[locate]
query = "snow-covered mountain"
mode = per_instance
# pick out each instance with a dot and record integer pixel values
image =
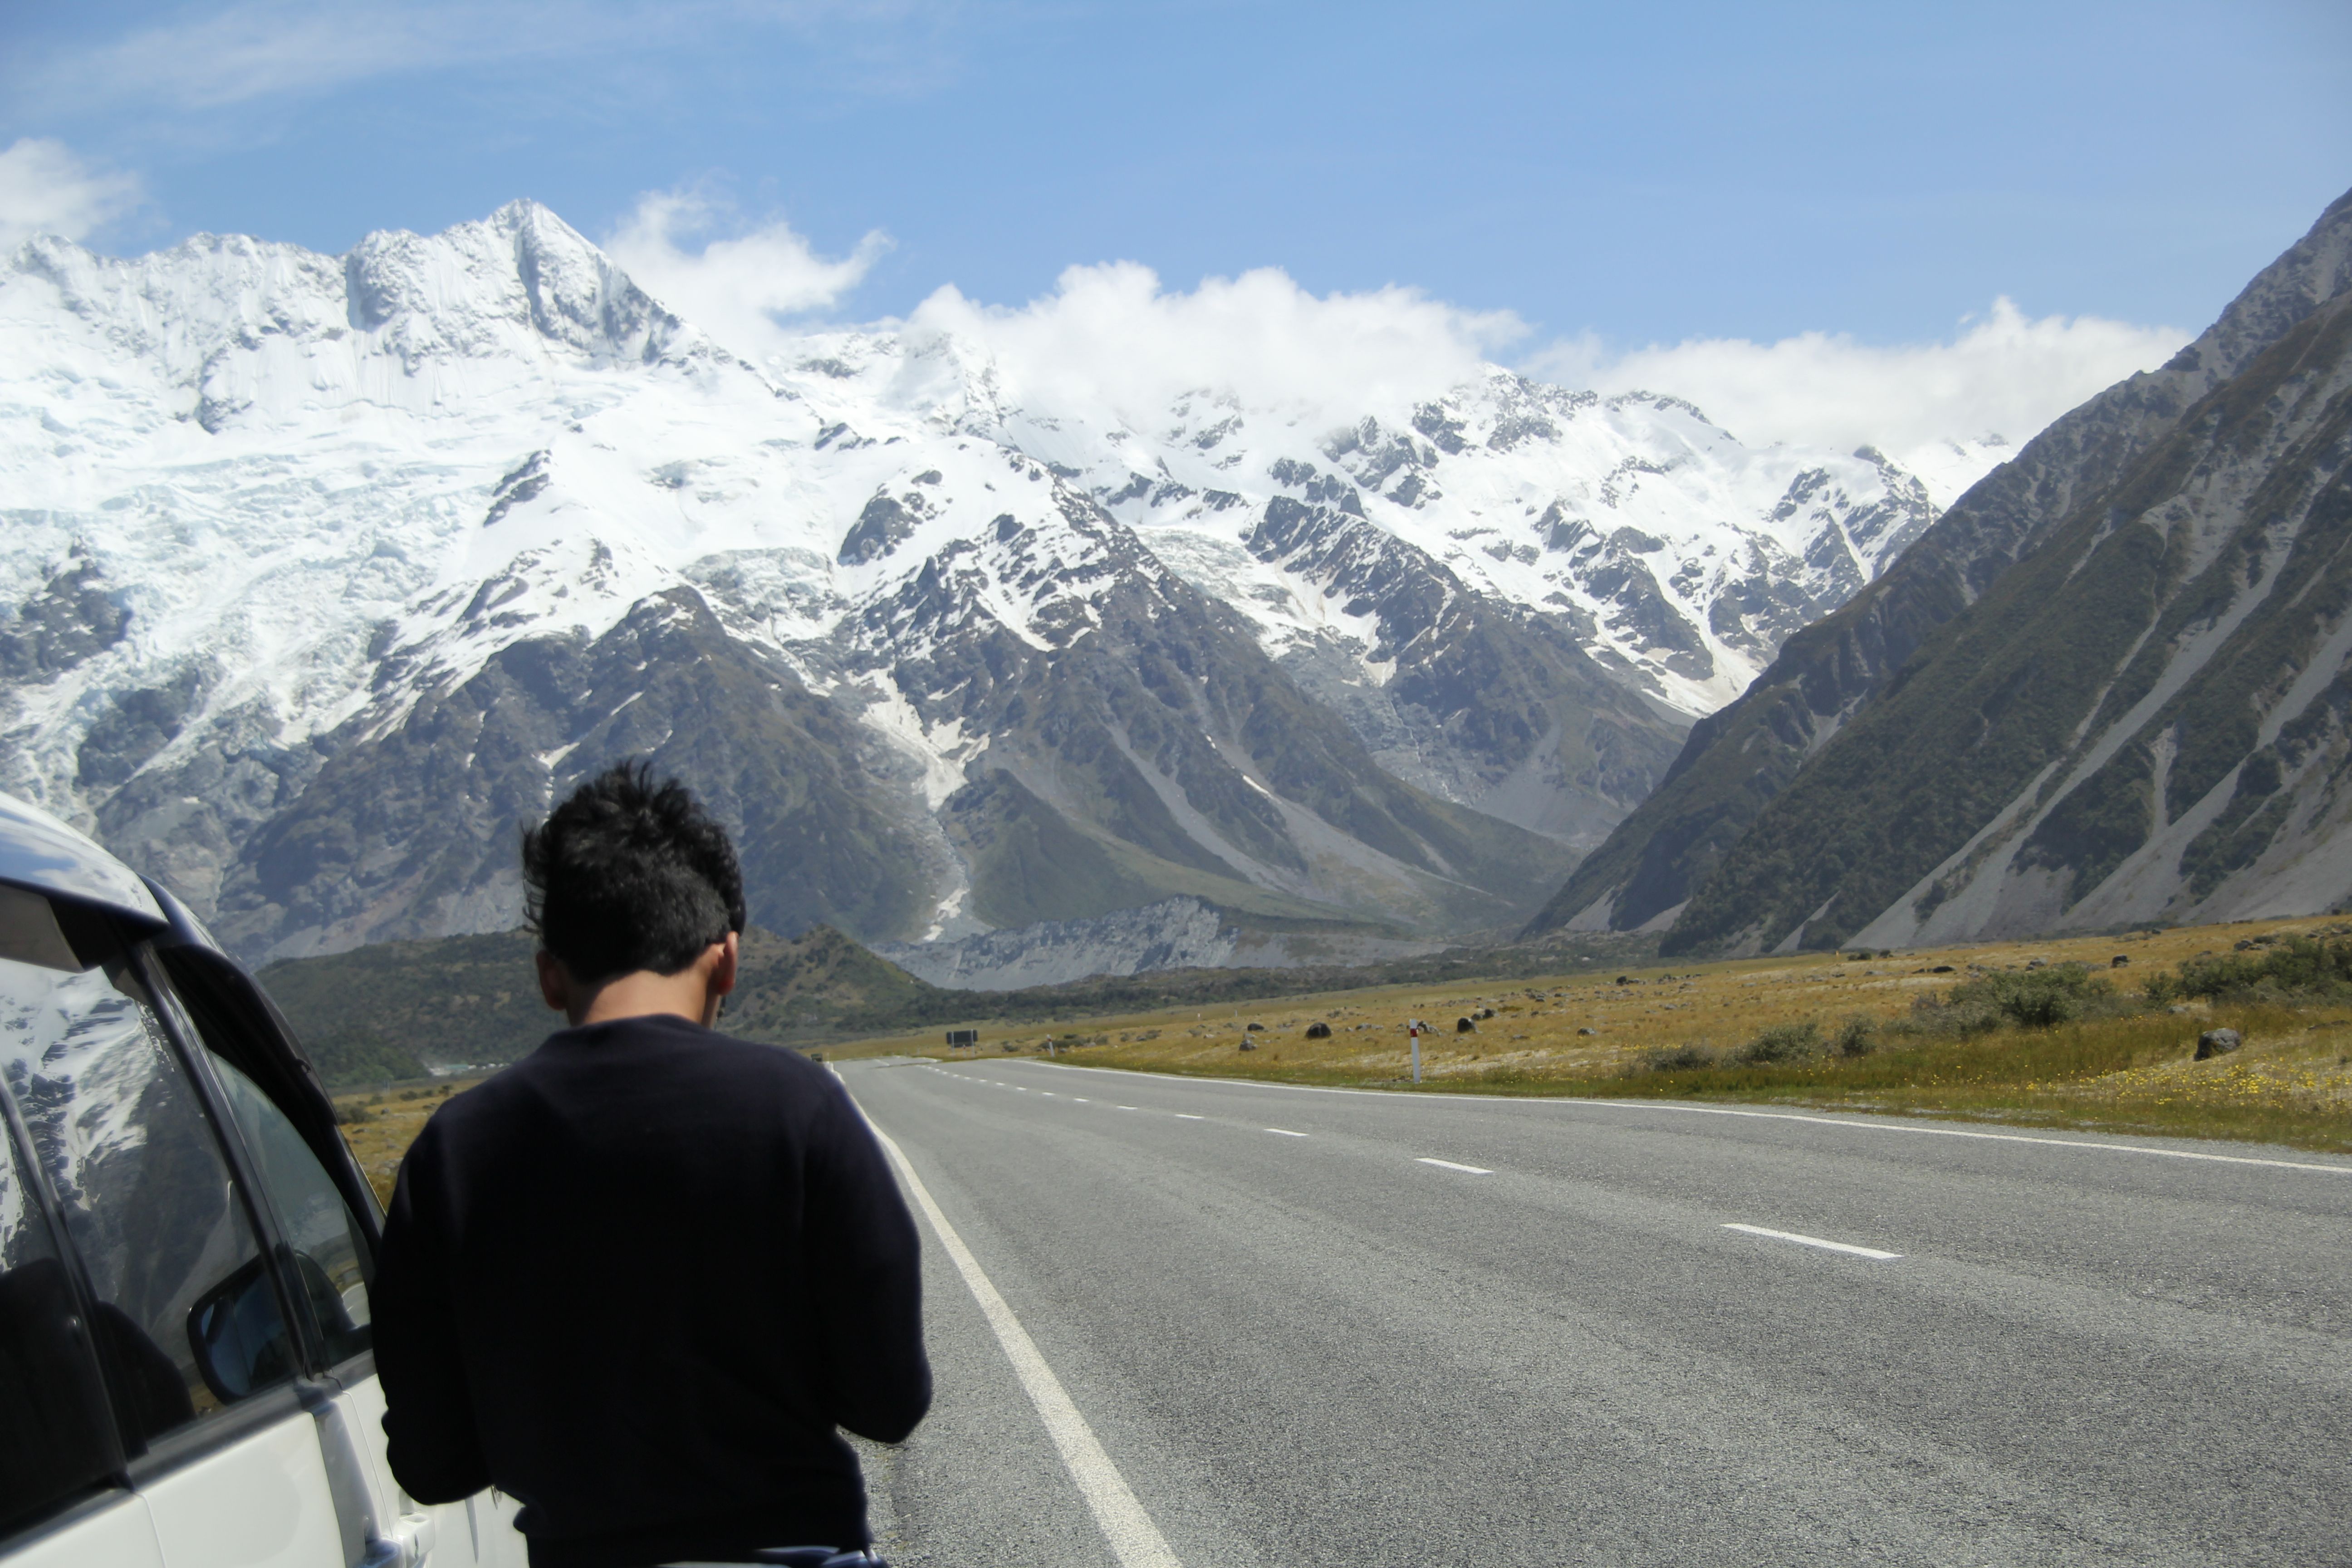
(323, 572)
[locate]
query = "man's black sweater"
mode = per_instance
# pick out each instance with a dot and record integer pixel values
(636, 1280)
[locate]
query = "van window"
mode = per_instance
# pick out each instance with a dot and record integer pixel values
(54, 1436)
(186, 1320)
(318, 1226)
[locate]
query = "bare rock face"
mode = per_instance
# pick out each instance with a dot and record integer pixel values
(2217, 1043)
(2112, 684)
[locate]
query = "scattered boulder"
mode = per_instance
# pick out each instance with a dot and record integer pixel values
(1584, 1031)
(1254, 1027)
(2037, 963)
(2217, 1043)
(1483, 1013)
(1465, 1026)
(1941, 969)
(1248, 1044)
(2119, 961)
(1319, 1031)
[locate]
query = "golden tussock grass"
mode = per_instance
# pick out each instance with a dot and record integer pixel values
(1585, 1033)
(1582, 1034)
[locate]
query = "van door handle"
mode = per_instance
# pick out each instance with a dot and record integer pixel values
(406, 1544)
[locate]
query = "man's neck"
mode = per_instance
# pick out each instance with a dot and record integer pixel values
(644, 995)
(692, 993)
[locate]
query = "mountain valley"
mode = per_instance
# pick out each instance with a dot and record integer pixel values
(329, 572)
(2107, 686)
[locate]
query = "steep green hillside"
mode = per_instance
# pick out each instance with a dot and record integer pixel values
(474, 999)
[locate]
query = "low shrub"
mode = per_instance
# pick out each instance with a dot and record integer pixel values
(1783, 1042)
(1857, 1036)
(2034, 999)
(1678, 1059)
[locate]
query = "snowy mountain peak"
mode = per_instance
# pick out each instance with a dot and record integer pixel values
(278, 518)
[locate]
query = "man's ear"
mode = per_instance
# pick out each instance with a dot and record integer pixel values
(554, 983)
(717, 967)
(731, 957)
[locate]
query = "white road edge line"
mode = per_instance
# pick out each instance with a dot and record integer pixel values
(1852, 1124)
(1284, 1132)
(1817, 1241)
(1450, 1165)
(1134, 1538)
(1188, 1116)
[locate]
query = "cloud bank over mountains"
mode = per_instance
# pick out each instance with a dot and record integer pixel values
(1113, 334)
(2003, 373)
(741, 288)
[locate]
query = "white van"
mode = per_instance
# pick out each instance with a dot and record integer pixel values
(185, 1247)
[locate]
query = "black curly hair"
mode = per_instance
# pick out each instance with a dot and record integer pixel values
(628, 874)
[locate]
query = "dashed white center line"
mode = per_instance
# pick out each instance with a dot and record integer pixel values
(1127, 1108)
(1284, 1132)
(1080, 1100)
(1188, 1116)
(1815, 1241)
(1450, 1165)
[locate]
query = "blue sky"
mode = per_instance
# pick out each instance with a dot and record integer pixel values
(1613, 176)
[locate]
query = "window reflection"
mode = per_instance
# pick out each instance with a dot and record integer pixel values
(317, 1226)
(145, 1191)
(53, 1437)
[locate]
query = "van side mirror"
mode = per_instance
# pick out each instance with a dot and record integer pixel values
(238, 1335)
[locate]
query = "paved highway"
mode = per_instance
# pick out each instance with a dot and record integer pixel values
(1288, 1325)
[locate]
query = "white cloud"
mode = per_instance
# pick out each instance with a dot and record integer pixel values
(45, 189)
(2003, 373)
(734, 289)
(1111, 336)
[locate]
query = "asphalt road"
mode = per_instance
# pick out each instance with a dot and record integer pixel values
(1325, 1350)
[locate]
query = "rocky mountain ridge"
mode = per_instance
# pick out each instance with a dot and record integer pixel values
(325, 571)
(2102, 688)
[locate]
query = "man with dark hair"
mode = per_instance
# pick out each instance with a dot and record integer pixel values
(637, 1280)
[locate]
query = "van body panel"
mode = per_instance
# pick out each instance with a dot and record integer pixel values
(116, 1534)
(475, 1533)
(262, 1501)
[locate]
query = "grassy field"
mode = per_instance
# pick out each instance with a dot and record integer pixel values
(1682, 1030)
(1692, 1030)
(379, 1125)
